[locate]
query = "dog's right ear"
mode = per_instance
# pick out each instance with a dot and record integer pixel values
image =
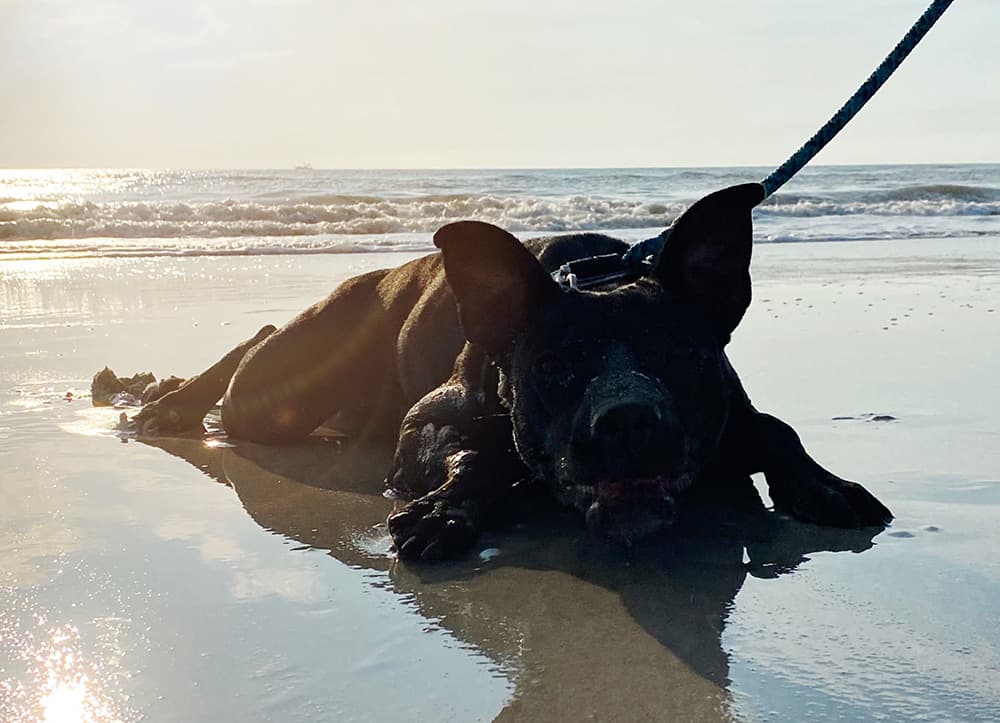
(496, 280)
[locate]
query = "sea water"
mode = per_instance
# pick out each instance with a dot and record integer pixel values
(122, 212)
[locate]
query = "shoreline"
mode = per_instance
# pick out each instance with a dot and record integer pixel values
(420, 243)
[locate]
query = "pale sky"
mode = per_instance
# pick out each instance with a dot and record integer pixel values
(474, 83)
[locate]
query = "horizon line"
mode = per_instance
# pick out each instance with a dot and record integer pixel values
(483, 168)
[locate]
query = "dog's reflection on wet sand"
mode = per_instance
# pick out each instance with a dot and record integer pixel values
(587, 630)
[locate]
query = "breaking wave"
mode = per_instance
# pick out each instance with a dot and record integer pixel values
(337, 214)
(326, 215)
(123, 212)
(935, 200)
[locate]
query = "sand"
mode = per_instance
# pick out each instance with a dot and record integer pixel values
(196, 579)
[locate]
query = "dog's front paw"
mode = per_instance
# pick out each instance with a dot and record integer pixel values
(820, 497)
(431, 528)
(423, 454)
(168, 415)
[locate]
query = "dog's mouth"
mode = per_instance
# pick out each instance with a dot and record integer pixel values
(613, 491)
(627, 509)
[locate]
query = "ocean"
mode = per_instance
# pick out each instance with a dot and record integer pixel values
(121, 212)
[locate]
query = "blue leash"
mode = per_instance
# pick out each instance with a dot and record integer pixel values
(637, 256)
(857, 101)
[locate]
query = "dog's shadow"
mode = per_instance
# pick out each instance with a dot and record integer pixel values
(584, 629)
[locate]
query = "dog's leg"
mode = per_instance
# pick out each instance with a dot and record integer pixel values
(446, 521)
(798, 485)
(456, 461)
(184, 408)
(336, 355)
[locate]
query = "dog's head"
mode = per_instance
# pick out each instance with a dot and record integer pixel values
(618, 398)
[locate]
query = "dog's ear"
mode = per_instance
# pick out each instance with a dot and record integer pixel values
(706, 257)
(496, 280)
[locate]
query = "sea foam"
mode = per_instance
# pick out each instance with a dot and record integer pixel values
(121, 212)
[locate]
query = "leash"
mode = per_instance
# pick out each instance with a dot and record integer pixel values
(638, 259)
(856, 102)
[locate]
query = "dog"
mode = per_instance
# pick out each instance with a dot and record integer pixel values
(488, 372)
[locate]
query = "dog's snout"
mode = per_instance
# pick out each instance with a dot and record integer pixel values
(627, 424)
(628, 429)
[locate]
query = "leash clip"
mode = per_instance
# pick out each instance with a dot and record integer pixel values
(565, 277)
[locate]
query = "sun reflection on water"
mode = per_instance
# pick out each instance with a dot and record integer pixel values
(68, 694)
(53, 682)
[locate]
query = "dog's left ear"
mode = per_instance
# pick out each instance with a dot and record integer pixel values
(496, 280)
(706, 257)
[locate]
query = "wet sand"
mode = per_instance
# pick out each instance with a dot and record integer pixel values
(201, 579)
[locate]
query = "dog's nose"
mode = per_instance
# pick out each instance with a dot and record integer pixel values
(627, 425)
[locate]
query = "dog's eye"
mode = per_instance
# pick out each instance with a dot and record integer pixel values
(554, 370)
(686, 352)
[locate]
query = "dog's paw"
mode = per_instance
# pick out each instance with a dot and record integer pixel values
(168, 414)
(822, 498)
(431, 528)
(421, 462)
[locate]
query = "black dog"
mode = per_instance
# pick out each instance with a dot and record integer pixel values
(619, 398)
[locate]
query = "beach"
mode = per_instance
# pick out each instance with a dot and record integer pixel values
(206, 579)
(181, 180)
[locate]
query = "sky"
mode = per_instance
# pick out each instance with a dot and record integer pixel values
(486, 84)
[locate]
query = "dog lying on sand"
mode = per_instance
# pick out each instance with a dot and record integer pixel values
(488, 372)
